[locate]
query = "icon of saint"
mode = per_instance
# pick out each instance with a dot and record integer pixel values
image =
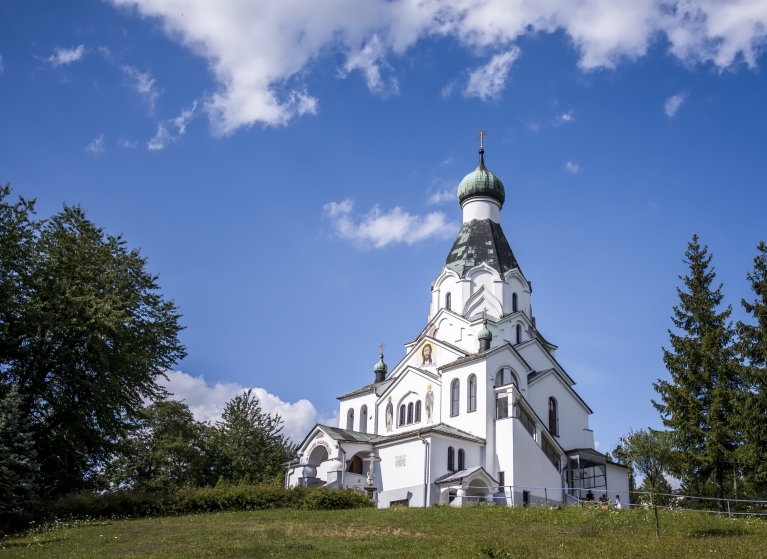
(429, 404)
(389, 416)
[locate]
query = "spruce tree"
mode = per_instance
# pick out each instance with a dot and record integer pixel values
(752, 347)
(698, 403)
(18, 467)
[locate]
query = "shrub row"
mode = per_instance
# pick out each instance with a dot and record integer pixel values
(205, 499)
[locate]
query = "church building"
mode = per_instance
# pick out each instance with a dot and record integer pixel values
(479, 408)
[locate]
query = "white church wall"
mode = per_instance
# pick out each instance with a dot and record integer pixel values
(402, 472)
(573, 418)
(536, 356)
(409, 388)
(472, 422)
(504, 450)
(515, 283)
(356, 404)
(618, 482)
(532, 470)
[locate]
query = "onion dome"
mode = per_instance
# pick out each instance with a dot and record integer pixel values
(485, 334)
(481, 182)
(380, 369)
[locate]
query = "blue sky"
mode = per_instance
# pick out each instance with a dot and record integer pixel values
(215, 135)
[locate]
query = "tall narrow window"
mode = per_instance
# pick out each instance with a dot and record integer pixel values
(519, 333)
(513, 302)
(364, 419)
(461, 460)
(502, 406)
(402, 414)
(450, 459)
(501, 478)
(473, 393)
(504, 377)
(418, 411)
(553, 417)
(350, 420)
(410, 412)
(449, 301)
(455, 397)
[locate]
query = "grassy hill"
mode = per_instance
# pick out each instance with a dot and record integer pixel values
(401, 532)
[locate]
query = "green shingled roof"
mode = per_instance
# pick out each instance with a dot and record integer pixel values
(481, 240)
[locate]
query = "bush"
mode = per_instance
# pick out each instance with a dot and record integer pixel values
(223, 497)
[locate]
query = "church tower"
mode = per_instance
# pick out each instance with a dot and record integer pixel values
(481, 272)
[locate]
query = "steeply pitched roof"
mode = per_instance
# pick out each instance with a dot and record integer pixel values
(481, 240)
(379, 387)
(457, 477)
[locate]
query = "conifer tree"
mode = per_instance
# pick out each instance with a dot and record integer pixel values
(18, 468)
(752, 347)
(698, 403)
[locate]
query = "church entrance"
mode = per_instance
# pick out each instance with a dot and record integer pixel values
(355, 465)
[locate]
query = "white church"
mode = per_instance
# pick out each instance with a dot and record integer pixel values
(479, 408)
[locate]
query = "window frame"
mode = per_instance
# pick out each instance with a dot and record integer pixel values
(519, 333)
(449, 301)
(410, 413)
(472, 392)
(455, 398)
(402, 416)
(553, 416)
(514, 302)
(418, 411)
(451, 459)
(461, 460)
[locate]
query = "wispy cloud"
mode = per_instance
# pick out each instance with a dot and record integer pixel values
(207, 402)
(1, 65)
(96, 146)
(128, 144)
(144, 84)
(566, 117)
(572, 167)
(66, 56)
(673, 103)
(442, 191)
(487, 82)
(370, 59)
(379, 229)
(165, 135)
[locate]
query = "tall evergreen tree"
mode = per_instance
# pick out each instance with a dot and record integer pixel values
(249, 442)
(752, 347)
(698, 403)
(18, 468)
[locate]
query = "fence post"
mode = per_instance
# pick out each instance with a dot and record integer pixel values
(546, 496)
(655, 509)
(729, 514)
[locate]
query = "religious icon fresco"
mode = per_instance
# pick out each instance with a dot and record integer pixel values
(429, 403)
(389, 416)
(427, 355)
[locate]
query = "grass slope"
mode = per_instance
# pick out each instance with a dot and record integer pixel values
(401, 532)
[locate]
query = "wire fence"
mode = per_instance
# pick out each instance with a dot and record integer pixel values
(514, 496)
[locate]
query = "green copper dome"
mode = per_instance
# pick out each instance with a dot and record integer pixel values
(485, 334)
(481, 182)
(380, 366)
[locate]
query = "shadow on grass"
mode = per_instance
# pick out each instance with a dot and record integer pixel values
(19, 544)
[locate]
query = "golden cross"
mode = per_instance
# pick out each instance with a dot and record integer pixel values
(482, 134)
(382, 346)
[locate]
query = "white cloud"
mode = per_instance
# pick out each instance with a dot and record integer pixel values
(164, 136)
(673, 103)
(380, 229)
(566, 117)
(572, 167)
(489, 80)
(96, 146)
(443, 190)
(1, 65)
(66, 56)
(207, 403)
(144, 84)
(259, 51)
(125, 143)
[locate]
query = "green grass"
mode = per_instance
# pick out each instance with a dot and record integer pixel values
(401, 532)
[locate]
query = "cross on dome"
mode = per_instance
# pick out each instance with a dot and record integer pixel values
(482, 134)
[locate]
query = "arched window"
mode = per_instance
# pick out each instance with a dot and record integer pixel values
(450, 459)
(461, 460)
(355, 465)
(449, 301)
(519, 333)
(410, 412)
(455, 397)
(553, 417)
(364, 419)
(504, 377)
(473, 393)
(418, 411)
(513, 302)
(350, 420)
(402, 414)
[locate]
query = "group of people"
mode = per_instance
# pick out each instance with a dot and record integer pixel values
(604, 501)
